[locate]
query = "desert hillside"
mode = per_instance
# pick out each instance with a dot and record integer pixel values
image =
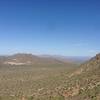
(84, 82)
(50, 81)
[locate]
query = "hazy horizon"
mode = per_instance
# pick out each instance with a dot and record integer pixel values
(54, 27)
(48, 55)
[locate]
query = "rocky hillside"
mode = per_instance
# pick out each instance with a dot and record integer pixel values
(83, 83)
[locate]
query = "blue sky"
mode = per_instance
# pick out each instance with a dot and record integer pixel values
(60, 27)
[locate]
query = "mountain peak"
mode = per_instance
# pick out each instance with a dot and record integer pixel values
(98, 56)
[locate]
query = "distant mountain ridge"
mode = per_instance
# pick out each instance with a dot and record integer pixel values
(75, 59)
(27, 59)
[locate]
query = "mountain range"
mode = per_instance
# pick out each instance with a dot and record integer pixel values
(29, 59)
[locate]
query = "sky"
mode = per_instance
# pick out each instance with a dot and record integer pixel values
(55, 27)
